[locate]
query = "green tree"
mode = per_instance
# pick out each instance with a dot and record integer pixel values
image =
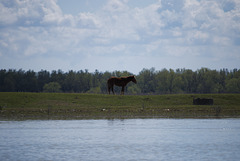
(96, 90)
(177, 84)
(208, 81)
(52, 87)
(10, 81)
(134, 89)
(96, 79)
(43, 77)
(146, 80)
(190, 81)
(103, 81)
(30, 81)
(2, 77)
(163, 81)
(233, 85)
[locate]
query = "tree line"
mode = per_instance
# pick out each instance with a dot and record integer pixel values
(149, 81)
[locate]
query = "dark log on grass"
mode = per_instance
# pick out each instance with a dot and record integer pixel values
(203, 101)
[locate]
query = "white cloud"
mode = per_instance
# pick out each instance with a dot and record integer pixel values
(116, 6)
(87, 20)
(6, 16)
(165, 28)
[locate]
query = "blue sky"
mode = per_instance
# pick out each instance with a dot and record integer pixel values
(110, 35)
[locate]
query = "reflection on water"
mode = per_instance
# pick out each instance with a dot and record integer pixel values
(130, 139)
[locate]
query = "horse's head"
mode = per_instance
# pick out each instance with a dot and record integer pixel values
(133, 79)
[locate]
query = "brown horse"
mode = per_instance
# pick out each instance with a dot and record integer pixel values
(122, 82)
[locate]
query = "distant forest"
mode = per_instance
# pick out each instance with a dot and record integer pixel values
(149, 81)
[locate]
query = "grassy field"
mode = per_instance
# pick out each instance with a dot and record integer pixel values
(22, 106)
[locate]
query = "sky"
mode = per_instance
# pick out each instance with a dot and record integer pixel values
(110, 35)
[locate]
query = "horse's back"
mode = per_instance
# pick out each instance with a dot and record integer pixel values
(116, 81)
(111, 80)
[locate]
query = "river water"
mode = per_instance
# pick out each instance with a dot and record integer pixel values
(128, 139)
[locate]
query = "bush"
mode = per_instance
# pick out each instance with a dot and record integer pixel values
(52, 87)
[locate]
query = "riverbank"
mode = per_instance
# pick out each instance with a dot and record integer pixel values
(22, 106)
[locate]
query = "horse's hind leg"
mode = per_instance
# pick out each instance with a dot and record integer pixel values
(109, 89)
(112, 90)
(122, 92)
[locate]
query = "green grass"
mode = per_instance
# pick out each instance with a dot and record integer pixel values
(98, 106)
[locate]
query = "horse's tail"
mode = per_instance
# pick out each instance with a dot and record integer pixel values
(108, 89)
(109, 85)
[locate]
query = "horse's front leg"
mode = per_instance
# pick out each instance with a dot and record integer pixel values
(113, 90)
(122, 92)
(109, 88)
